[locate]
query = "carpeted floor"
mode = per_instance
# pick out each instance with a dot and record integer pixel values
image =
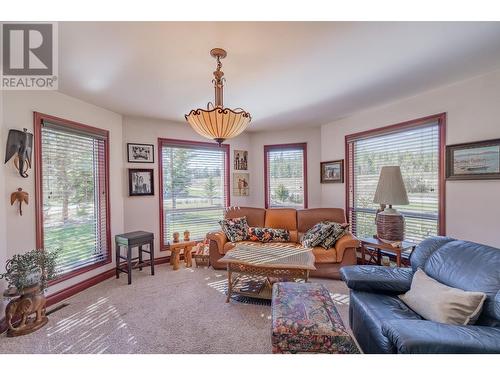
(180, 311)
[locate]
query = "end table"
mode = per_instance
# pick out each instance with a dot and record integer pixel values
(175, 248)
(373, 247)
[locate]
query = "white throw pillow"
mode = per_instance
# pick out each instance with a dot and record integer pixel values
(441, 303)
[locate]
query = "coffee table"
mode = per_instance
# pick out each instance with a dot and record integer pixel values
(255, 267)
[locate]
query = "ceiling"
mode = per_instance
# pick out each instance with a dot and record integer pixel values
(286, 74)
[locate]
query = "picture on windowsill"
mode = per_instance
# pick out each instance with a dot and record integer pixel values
(473, 161)
(240, 160)
(140, 153)
(332, 171)
(241, 184)
(140, 182)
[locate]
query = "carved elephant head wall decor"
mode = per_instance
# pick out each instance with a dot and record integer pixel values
(20, 144)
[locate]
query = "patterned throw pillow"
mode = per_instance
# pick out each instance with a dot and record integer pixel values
(235, 229)
(337, 230)
(324, 234)
(268, 234)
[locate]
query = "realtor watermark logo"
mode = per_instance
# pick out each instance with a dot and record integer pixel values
(29, 56)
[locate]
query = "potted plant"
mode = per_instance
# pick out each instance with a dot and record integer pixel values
(29, 274)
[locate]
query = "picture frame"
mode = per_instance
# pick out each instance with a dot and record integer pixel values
(241, 184)
(332, 171)
(140, 182)
(473, 160)
(140, 153)
(240, 160)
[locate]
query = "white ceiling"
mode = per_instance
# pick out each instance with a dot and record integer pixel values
(286, 74)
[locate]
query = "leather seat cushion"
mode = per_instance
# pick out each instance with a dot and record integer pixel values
(367, 312)
(228, 246)
(322, 255)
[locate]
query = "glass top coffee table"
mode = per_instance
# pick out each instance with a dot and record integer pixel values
(257, 267)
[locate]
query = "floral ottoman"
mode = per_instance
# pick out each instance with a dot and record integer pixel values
(305, 320)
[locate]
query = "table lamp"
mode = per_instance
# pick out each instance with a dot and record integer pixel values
(390, 191)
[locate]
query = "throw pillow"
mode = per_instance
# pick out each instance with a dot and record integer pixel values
(317, 234)
(441, 303)
(235, 229)
(337, 230)
(268, 234)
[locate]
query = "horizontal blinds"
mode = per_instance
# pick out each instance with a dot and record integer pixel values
(285, 177)
(74, 196)
(416, 151)
(194, 189)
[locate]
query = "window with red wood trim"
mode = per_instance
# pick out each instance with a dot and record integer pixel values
(285, 169)
(72, 193)
(194, 186)
(417, 147)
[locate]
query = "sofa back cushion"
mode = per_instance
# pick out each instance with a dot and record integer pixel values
(255, 216)
(282, 218)
(472, 267)
(309, 217)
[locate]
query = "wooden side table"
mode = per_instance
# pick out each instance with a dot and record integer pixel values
(131, 240)
(373, 248)
(175, 248)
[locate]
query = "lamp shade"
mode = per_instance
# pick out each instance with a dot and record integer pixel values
(391, 187)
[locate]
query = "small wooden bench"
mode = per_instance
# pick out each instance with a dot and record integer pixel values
(305, 320)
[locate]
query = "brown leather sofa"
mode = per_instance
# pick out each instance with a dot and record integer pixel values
(297, 222)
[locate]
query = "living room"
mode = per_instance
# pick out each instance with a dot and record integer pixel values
(137, 219)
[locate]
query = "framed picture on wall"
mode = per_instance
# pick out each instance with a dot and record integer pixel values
(140, 182)
(332, 171)
(240, 160)
(473, 161)
(140, 153)
(241, 184)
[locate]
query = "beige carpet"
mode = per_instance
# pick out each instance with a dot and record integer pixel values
(180, 311)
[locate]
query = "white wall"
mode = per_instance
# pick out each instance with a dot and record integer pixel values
(473, 113)
(142, 213)
(18, 114)
(312, 136)
(3, 207)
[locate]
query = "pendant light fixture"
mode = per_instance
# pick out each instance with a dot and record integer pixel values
(217, 122)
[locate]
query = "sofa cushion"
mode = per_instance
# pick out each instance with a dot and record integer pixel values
(283, 218)
(268, 234)
(368, 311)
(337, 230)
(228, 246)
(306, 218)
(441, 303)
(255, 216)
(236, 229)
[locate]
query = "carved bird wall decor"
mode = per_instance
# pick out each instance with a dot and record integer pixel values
(19, 196)
(19, 143)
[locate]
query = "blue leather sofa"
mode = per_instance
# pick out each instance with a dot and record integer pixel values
(382, 323)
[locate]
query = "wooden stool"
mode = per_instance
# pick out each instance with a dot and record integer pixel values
(130, 240)
(175, 248)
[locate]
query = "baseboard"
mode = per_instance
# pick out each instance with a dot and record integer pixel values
(77, 288)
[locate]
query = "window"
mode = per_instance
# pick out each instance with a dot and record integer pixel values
(194, 185)
(417, 147)
(285, 171)
(72, 193)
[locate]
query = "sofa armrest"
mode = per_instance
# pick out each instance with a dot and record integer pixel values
(423, 336)
(220, 238)
(377, 278)
(345, 242)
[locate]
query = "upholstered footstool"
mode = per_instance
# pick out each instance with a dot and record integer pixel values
(305, 320)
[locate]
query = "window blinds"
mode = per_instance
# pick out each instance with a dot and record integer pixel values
(285, 176)
(195, 190)
(416, 151)
(74, 196)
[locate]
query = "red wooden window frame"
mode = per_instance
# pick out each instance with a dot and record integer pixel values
(177, 142)
(38, 119)
(287, 146)
(440, 118)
